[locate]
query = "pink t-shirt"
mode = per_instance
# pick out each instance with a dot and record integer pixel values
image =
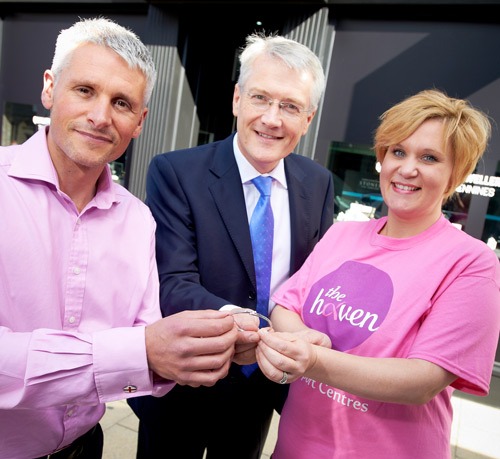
(434, 296)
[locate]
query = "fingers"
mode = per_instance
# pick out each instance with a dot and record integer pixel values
(192, 347)
(281, 341)
(204, 323)
(246, 339)
(283, 352)
(245, 320)
(272, 360)
(246, 343)
(196, 370)
(204, 371)
(245, 354)
(242, 348)
(275, 372)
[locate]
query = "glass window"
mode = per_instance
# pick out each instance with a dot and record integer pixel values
(17, 123)
(488, 186)
(357, 190)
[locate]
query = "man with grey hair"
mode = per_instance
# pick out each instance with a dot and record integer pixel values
(203, 199)
(80, 323)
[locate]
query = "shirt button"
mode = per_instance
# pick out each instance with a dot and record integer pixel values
(76, 270)
(72, 320)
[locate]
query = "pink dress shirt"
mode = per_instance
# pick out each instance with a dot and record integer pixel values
(76, 290)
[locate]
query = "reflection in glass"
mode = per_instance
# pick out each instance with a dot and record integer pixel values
(356, 184)
(491, 230)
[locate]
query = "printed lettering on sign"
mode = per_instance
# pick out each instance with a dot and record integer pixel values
(480, 185)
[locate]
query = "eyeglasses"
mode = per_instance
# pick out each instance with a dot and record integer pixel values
(288, 109)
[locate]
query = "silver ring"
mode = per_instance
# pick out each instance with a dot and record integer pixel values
(284, 379)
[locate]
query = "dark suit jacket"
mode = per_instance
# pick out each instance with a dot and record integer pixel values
(203, 241)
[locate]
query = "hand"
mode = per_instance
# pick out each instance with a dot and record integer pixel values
(315, 337)
(279, 352)
(247, 340)
(192, 348)
(245, 319)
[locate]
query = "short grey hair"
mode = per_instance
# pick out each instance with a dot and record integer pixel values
(294, 54)
(104, 32)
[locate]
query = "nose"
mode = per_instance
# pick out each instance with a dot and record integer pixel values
(99, 114)
(272, 115)
(408, 168)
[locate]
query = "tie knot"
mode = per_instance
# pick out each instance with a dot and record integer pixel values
(263, 184)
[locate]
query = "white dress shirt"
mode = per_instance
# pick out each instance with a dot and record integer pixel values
(281, 212)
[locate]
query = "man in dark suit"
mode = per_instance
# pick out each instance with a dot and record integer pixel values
(202, 199)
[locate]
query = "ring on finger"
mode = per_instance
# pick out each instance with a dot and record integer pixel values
(284, 379)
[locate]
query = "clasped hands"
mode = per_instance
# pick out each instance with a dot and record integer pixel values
(196, 347)
(283, 357)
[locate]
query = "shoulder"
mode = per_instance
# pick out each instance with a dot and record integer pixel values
(6, 155)
(476, 246)
(473, 253)
(131, 204)
(353, 226)
(299, 164)
(305, 162)
(460, 238)
(350, 230)
(194, 155)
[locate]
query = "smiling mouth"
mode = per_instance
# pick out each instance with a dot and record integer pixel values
(94, 136)
(405, 187)
(267, 136)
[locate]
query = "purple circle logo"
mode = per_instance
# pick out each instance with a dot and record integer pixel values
(349, 304)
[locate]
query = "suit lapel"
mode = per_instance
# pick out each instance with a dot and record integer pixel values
(227, 192)
(300, 212)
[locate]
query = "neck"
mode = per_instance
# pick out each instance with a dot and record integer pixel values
(76, 180)
(79, 186)
(397, 228)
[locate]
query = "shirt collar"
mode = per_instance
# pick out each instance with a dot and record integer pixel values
(248, 172)
(32, 161)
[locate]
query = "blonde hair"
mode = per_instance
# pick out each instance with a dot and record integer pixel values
(467, 130)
